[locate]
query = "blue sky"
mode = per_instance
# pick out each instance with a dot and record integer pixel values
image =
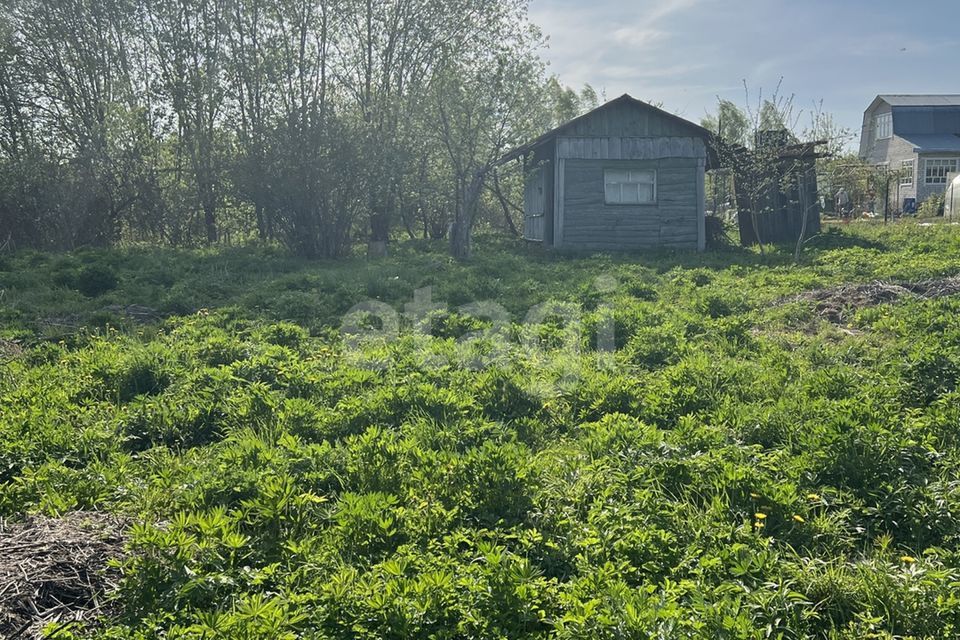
(684, 53)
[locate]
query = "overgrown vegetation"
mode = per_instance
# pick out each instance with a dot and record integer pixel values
(315, 125)
(931, 207)
(738, 468)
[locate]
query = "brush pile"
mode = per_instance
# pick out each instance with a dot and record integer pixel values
(838, 304)
(53, 571)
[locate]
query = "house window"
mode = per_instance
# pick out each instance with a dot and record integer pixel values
(936, 170)
(883, 126)
(630, 186)
(906, 176)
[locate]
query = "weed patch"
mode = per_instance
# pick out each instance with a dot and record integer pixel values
(632, 446)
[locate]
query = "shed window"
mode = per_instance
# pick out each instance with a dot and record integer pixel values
(630, 186)
(883, 126)
(937, 169)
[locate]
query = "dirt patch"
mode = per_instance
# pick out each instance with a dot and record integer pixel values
(838, 304)
(54, 570)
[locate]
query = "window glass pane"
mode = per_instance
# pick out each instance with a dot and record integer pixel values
(642, 177)
(613, 193)
(646, 193)
(631, 194)
(613, 176)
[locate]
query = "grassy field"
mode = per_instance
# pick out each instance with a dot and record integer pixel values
(744, 463)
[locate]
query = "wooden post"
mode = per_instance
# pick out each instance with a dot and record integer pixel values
(558, 201)
(701, 206)
(886, 196)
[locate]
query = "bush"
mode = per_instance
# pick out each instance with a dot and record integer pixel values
(91, 280)
(932, 207)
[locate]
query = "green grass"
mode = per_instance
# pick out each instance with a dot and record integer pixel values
(736, 469)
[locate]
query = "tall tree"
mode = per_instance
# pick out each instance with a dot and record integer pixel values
(250, 67)
(188, 44)
(486, 102)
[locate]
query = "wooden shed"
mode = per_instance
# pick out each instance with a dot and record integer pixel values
(624, 176)
(787, 188)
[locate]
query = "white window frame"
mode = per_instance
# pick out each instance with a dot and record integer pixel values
(907, 179)
(883, 126)
(635, 178)
(945, 167)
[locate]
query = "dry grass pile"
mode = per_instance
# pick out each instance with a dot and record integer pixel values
(55, 571)
(838, 304)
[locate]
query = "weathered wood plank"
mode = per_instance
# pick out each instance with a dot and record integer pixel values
(701, 206)
(561, 204)
(632, 147)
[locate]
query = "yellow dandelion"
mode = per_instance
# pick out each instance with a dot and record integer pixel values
(799, 518)
(908, 559)
(760, 516)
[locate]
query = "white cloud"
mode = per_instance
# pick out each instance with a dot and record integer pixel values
(664, 8)
(638, 37)
(644, 72)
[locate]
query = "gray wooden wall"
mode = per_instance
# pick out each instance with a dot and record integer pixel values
(673, 222)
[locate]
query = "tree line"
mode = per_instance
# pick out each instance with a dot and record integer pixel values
(317, 124)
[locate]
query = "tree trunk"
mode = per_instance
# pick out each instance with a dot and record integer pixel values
(210, 222)
(379, 234)
(755, 220)
(505, 205)
(261, 222)
(805, 208)
(460, 238)
(462, 227)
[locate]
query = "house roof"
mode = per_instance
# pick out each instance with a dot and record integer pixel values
(920, 100)
(933, 142)
(624, 99)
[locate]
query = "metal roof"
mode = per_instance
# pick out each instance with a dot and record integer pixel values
(933, 142)
(920, 100)
(926, 120)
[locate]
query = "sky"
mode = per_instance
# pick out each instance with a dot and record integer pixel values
(686, 53)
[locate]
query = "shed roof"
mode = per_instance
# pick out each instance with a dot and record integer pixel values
(624, 99)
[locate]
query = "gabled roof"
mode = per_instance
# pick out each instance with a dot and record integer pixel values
(624, 99)
(914, 100)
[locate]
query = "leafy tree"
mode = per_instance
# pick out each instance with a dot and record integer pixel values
(486, 103)
(730, 123)
(187, 40)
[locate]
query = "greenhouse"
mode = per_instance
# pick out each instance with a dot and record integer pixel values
(951, 203)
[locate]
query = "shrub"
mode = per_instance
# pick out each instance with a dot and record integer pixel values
(932, 207)
(91, 280)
